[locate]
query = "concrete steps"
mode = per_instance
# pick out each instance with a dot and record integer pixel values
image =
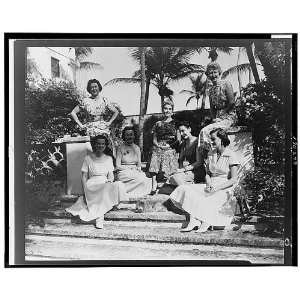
(142, 229)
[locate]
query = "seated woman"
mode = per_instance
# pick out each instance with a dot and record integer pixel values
(100, 192)
(189, 168)
(206, 204)
(128, 165)
(221, 100)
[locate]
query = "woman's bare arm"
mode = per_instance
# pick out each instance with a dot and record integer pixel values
(74, 113)
(116, 112)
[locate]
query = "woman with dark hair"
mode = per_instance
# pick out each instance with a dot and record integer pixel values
(189, 170)
(164, 158)
(95, 109)
(100, 192)
(221, 100)
(128, 165)
(207, 204)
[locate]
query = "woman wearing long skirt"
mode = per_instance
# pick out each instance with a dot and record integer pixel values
(210, 204)
(100, 192)
(128, 165)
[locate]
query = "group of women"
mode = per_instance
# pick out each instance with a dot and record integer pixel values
(179, 155)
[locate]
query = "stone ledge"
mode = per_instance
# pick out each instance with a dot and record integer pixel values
(160, 235)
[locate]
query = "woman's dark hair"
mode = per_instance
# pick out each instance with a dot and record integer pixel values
(127, 128)
(222, 135)
(88, 88)
(94, 139)
(184, 123)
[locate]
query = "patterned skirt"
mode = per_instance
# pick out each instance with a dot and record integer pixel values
(165, 161)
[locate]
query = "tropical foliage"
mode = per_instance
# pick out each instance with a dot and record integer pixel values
(163, 65)
(198, 89)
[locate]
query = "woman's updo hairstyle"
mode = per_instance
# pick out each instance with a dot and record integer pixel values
(127, 128)
(88, 88)
(222, 135)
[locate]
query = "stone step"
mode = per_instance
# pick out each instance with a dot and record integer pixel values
(157, 232)
(47, 248)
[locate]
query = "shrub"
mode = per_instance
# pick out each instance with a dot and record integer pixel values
(264, 112)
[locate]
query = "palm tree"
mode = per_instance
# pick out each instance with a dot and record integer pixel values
(198, 89)
(162, 66)
(142, 101)
(213, 52)
(241, 68)
(80, 64)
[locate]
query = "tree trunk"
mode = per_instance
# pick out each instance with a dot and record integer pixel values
(238, 72)
(252, 63)
(142, 100)
(147, 94)
(162, 99)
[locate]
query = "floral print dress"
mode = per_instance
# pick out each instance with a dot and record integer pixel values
(164, 160)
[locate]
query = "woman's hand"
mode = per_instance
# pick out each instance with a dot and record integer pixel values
(210, 189)
(164, 147)
(180, 170)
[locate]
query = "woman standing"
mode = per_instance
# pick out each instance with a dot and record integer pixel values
(100, 192)
(164, 158)
(128, 165)
(221, 99)
(95, 108)
(208, 204)
(189, 167)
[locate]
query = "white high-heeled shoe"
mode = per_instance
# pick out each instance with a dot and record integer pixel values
(192, 225)
(99, 222)
(203, 227)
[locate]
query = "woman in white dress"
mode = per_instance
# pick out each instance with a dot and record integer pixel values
(95, 109)
(209, 204)
(128, 165)
(100, 192)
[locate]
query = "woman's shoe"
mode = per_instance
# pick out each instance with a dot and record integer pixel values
(192, 225)
(99, 223)
(203, 227)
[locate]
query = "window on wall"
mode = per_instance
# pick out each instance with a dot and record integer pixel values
(54, 67)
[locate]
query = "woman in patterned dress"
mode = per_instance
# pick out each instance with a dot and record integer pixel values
(164, 158)
(209, 204)
(221, 99)
(95, 108)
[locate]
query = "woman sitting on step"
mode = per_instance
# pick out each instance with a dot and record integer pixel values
(128, 165)
(208, 204)
(100, 192)
(189, 170)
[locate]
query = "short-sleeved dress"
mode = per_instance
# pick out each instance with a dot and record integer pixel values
(218, 102)
(135, 181)
(95, 111)
(100, 195)
(213, 208)
(166, 160)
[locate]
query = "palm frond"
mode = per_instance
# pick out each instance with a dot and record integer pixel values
(242, 68)
(226, 50)
(122, 80)
(81, 52)
(187, 92)
(189, 100)
(87, 65)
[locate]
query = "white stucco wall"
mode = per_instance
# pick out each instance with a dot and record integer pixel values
(41, 58)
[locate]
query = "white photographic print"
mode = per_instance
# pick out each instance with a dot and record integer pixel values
(164, 151)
